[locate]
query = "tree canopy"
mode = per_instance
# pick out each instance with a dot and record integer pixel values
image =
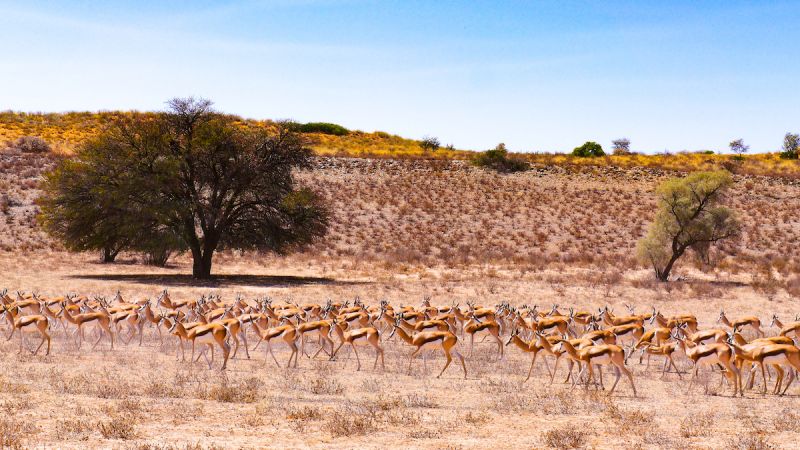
(589, 149)
(690, 216)
(185, 179)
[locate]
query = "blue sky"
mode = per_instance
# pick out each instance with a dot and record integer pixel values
(539, 76)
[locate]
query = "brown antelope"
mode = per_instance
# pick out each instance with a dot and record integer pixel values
(530, 347)
(776, 355)
(666, 350)
(209, 334)
(37, 323)
(631, 332)
(286, 332)
(600, 355)
(752, 321)
(322, 328)
(710, 355)
(652, 337)
(101, 320)
(789, 328)
(428, 339)
(368, 335)
(475, 325)
(609, 318)
(739, 360)
(687, 320)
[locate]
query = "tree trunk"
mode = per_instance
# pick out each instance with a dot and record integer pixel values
(663, 275)
(109, 255)
(201, 267)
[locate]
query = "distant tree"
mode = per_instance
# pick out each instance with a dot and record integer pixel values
(690, 216)
(738, 146)
(429, 143)
(192, 177)
(791, 146)
(589, 149)
(320, 127)
(498, 160)
(621, 146)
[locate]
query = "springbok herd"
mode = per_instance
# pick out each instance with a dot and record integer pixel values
(592, 340)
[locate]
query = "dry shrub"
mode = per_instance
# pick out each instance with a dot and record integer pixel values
(792, 286)
(787, 420)
(13, 406)
(73, 429)
(118, 427)
(565, 437)
(477, 418)
(159, 388)
(699, 424)
(325, 385)
(12, 387)
(111, 390)
(630, 421)
(247, 390)
(765, 283)
(750, 440)
(12, 433)
(349, 421)
(415, 400)
(372, 385)
(303, 413)
(705, 289)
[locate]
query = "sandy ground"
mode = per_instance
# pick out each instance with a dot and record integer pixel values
(141, 397)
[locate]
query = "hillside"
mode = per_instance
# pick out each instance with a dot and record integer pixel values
(448, 213)
(65, 131)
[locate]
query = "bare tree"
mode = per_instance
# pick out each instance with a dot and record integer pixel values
(621, 146)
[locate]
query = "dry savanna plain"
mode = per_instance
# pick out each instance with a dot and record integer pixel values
(402, 231)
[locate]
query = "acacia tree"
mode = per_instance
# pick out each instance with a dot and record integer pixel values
(739, 147)
(194, 175)
(621, 146)
(690, 216)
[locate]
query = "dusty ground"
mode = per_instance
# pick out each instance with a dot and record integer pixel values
(141, 397)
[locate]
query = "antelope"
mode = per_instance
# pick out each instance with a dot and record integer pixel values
(474, 325)
(26, 324)
(427, 339)
(369, 335)
(652, 337)
(633, 330)
(100, 319)
(600, 355)
(610, 319)
(286, 332)
(666, 350)
(789, 328)
(689, 320)
(752, 321)
(530, 347)
(208, 334)
(748, 346)
(776, 355)
(709, 355)
(322, 328)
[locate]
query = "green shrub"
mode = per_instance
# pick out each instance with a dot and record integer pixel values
(791, 146)
(589, 149)
(498, 159)
(321, 127)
